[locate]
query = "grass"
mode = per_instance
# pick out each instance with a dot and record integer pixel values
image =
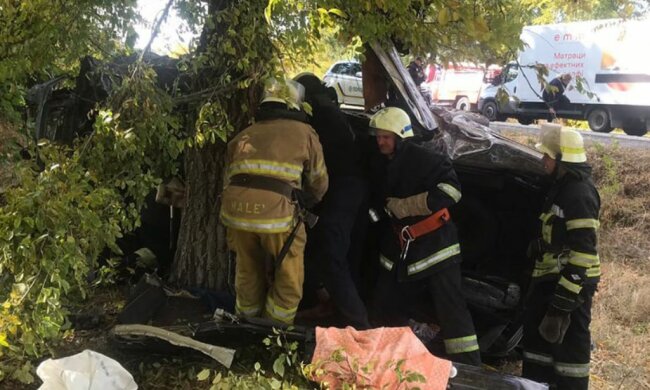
(621, 313)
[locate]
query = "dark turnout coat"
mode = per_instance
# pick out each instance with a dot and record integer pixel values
(569, 224)
(414, 170)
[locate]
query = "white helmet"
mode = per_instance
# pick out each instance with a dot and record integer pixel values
(394, 120)
(284, 91)
(557, 141)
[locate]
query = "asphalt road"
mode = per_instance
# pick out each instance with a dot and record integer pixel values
(589, 136)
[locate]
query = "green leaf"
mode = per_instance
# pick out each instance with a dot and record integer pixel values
(443, 17)
(275, 384)
(338, 12)
(203, 375)
(278, 365)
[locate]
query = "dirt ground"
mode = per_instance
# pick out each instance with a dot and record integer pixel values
(621, 313)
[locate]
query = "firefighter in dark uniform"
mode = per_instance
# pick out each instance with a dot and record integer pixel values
(557, 343)
(328, 245)
(419, 250)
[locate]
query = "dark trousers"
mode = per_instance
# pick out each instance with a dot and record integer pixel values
(562, 103)
(396, 302)
(565, 365)
(329, 244)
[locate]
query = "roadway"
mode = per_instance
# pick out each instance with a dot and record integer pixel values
(590, 137)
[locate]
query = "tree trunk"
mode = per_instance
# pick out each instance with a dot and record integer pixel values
(202, 256)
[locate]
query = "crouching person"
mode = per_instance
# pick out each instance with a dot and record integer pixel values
(266, 164)
(419, 251)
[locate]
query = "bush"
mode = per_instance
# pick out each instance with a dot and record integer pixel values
(67, 205)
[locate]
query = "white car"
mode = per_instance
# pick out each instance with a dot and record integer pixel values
(345, 78)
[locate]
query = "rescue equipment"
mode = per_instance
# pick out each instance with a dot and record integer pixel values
(410, 233)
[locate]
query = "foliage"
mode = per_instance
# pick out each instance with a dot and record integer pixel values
(39, 38)
(69, 205)
(289, 372)
(285, 372)
(447, 30)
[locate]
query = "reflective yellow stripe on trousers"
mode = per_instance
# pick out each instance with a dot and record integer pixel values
(249, 311)
(573, 370)
(279, 313)
(461, 344)
(538, 358)
(277, 225)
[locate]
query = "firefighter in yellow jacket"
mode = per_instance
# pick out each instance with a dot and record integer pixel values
(266, 164)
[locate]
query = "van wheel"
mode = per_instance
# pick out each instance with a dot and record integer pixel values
(491, 111)
(463, 103)
(599, 121)
(525, 120)
(635, 127)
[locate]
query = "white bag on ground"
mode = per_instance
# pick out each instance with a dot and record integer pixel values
(87, 370)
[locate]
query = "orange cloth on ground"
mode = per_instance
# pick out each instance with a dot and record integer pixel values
(380, 349)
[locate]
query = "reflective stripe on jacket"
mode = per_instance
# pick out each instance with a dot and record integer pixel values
(413, 170)
(569, 224)
(283, 149)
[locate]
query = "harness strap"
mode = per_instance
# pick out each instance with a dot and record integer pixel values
(263, 183)
(428, 225)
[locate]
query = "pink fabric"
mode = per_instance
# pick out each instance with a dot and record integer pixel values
(380, 348)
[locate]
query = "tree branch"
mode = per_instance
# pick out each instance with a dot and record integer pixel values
(156, 28)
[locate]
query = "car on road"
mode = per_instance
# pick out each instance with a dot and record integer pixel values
(345, 78)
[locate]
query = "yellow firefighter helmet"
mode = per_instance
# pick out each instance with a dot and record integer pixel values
(394, 120)
(284, 91)
(568, 144)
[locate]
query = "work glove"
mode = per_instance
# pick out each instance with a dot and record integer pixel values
(408, 207)
(554, 326)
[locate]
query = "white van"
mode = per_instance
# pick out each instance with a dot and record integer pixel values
(610, 55)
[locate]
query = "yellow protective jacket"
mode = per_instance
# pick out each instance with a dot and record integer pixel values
(282, 146)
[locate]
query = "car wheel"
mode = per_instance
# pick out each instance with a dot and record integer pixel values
(634, 127)
(599, 121)
(463, 104)
(490, 111)
(525, 120)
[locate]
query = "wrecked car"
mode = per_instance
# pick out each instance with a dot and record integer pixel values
(503, 186)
